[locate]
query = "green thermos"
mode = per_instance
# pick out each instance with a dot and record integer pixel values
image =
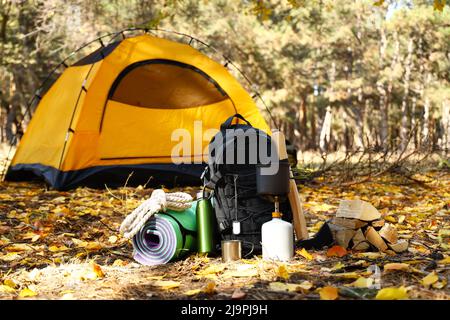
(206, 223)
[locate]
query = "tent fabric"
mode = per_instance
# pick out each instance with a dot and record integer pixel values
(115, 112)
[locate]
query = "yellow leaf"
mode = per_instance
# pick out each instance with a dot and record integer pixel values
(439, 5)
(112, 239)
(212, 269)
(94, 246)
(79, 243)
(166, 284)
(10, 256)
(430, 279)
(304, 254)
(98, 270)
(390, 219)
(6, 289)
(58, 248)
(440, 284)
(27, 293)
(291, 287)
(392, 293)
(10, 283)
(328, 293)
(282, 272)
(242, 271)
(210, 288)
(280, 286)
(396, 267)
(378, 3)
(305, 285)
(193, 292)
(119, 263)
(338, 266)
(18, 247)
(446, 260)
(362, 282)
(346, 275)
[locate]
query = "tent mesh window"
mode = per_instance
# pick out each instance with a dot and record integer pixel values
(165, 84)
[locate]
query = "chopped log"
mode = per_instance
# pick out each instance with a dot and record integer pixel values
(361, 246)
(378, 223)
(374, 238)
(357, 209)
(359, 241)
(389, 233)
(400, 246)
(348, 223)
(341, 235)
(344, 236)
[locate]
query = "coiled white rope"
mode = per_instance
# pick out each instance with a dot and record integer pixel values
(158, 201)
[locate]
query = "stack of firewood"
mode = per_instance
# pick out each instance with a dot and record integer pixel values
(358, 226)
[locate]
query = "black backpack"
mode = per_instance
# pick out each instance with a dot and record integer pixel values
(226, 180)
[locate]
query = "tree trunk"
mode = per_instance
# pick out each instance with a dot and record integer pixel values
(404, 129)
(445, 145)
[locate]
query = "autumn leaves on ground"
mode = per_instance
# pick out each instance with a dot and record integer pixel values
(65, 245)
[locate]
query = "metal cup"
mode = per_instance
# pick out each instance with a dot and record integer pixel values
(231, 250)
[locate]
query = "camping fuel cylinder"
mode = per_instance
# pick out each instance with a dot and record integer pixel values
(206, 223)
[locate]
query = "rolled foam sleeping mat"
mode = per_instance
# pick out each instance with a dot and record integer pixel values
(166, 237)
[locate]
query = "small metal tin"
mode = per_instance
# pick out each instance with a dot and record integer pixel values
(231, 250)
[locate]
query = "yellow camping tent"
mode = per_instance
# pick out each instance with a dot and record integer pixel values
(116, 110)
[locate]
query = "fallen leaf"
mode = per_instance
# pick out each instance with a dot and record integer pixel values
(10, 256)
(212, 269)
(440, 284)
(338, 266)
(430, 279)
(336, 251)
(6, 289)
(328, 293)
(396, 267)
(112, 239)
(119, 263)
(55, 248)
(446, 260)
(346, 275)
(166, 284)
(24, 293)
(79, 243)
(305, 254)
(210, 288)
(98, 270)
(242, 271)
(392, 293)
(18, 247)
(193, 292)
(10, 283)
(281, 286)
(362, 282)
(93, 246)
(282, 272)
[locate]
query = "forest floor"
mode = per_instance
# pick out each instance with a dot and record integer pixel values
(65, 245)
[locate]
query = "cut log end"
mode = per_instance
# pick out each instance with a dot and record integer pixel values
(375, 239)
